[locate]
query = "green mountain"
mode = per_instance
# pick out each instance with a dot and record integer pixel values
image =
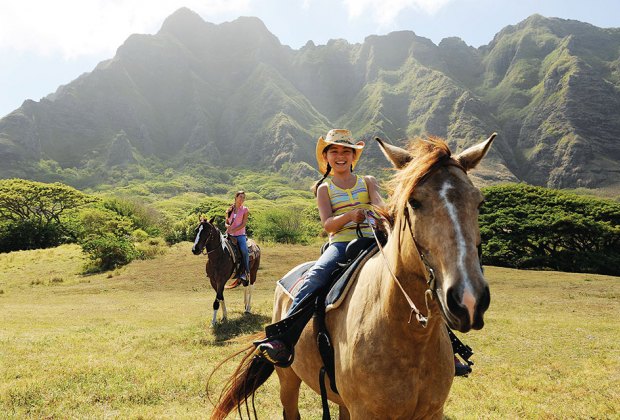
(233, 95)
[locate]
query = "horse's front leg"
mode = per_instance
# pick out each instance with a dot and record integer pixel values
(219, 300)
(216, 307)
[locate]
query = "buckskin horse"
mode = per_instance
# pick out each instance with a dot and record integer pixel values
(221, 264)
(393, 360)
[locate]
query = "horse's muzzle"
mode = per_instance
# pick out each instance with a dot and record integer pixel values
(196, 250)
(464, 315)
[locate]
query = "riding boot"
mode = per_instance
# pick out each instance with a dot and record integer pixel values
(244, 278)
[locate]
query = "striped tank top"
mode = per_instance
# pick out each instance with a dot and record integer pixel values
(344, 200)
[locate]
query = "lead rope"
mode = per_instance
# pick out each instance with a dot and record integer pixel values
(423, 320)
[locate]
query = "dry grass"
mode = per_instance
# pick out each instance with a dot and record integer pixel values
(136, 343)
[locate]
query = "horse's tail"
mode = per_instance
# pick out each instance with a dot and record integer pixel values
(251, 373)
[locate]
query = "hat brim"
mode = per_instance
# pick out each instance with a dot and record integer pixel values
(321, 144)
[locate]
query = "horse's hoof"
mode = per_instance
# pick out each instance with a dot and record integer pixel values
(247, 312)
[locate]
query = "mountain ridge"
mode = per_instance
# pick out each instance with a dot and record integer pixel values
(234, 95)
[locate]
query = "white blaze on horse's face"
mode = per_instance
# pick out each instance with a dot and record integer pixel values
(445, 207)
(446, 230)
(468, 299)
(195, 250)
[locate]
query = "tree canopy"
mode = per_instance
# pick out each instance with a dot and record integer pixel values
(31, 213)
(523, 226)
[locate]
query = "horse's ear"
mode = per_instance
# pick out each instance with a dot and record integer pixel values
(399, 157)
(470, 158)
(212, 219)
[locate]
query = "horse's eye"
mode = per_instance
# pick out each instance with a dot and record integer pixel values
(415, 204)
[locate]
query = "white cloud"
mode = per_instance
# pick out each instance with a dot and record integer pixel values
(83, 27)
(385, 12)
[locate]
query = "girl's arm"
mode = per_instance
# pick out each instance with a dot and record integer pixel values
(330, 222)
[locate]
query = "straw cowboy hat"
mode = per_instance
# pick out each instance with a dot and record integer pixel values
(340, 137)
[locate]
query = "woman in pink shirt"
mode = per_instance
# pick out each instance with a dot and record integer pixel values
(236, 219)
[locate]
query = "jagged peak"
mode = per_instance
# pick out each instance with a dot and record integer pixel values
(453, 41)
(182, 18)
(251, 28)
(558, 26)
(251, 21)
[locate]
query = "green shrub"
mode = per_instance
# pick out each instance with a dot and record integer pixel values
(30, 234)
(142, 215)
(150, 248)
(107, 252)
(97, 221)
(183, 230)
(139, 235)
(281, 225)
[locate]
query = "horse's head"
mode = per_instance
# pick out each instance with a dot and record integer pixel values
(204, 232)
(435, 204)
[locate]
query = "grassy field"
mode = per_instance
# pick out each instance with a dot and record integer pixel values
(136, 342)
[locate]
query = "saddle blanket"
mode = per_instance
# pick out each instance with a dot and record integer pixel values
(292, 281)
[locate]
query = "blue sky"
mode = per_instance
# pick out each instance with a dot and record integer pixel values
(45, 44)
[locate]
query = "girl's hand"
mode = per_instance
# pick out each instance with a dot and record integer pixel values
(358, 215)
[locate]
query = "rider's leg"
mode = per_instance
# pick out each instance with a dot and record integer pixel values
(245, 255)
(317, 277)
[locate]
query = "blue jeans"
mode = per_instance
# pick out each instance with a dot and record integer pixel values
(243, 247)
(319, 275)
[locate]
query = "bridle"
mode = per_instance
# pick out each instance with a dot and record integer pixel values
(204, 250)
(430, 277)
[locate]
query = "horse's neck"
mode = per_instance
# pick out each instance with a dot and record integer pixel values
(215, 244)
(382, 306)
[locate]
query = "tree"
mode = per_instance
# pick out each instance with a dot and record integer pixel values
(523, 226)
(32, 213)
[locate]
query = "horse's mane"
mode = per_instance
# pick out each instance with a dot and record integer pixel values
(426, 154)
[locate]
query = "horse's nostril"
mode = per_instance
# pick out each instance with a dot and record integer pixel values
(453, 299)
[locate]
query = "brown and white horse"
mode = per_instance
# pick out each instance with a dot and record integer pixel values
(220, 266)
(390, 364)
